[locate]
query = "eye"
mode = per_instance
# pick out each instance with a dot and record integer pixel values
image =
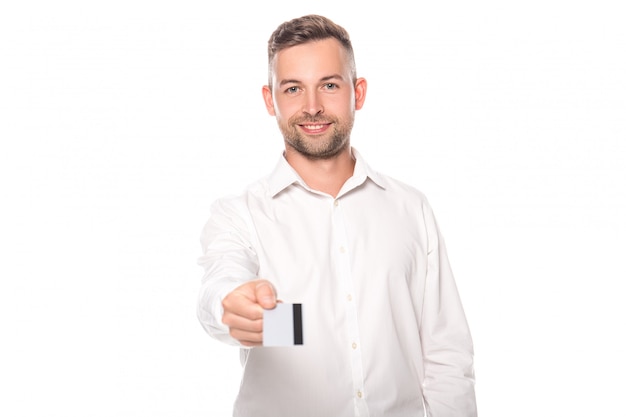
(330, 86)
(292, 90)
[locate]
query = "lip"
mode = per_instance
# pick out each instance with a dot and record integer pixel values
(314, 128)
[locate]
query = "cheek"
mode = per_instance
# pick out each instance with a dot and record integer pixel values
(284, 109)
(340, 108)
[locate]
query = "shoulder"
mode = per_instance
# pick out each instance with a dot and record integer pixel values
(388, 185)
(402, 189)
(237, 205)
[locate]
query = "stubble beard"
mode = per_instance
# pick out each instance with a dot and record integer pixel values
(337, 140)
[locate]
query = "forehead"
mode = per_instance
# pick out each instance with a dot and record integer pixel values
(311, 61)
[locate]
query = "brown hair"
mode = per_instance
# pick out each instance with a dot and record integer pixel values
(307, 29)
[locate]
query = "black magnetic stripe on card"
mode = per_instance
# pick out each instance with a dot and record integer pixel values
(297, 324)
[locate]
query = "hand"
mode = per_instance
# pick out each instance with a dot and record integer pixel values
(243, 310)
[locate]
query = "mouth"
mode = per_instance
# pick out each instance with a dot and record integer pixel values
(316, 128)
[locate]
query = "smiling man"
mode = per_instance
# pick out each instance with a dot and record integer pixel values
(384, 332)
(313, 92)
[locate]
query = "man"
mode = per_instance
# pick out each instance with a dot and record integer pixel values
(384, 330)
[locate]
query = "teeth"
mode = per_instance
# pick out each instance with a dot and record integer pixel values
(314, 127)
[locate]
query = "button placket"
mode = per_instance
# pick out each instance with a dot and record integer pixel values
(345, 274)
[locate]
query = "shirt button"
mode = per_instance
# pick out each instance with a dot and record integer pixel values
(336, 203)
(349, 297)
(354, 346)
(359, 394)
(342, 249)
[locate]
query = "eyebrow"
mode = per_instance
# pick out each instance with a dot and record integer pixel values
(323, 79)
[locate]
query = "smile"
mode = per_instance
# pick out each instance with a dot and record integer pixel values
(313, 127)
(316, 128)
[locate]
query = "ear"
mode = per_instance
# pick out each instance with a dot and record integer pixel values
(269, 100)
(360, 91)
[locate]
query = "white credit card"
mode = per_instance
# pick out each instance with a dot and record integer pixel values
(282, 326)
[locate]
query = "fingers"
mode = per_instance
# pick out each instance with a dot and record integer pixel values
(243, 311)
(241, 302)
(248, 332)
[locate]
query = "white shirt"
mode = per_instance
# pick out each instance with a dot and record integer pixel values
(384, 329)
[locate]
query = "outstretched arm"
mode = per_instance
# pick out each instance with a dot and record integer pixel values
(232, 298)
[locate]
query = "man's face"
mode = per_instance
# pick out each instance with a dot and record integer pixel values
(314, 98)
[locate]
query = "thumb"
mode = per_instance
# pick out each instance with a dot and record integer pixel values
(265, 294)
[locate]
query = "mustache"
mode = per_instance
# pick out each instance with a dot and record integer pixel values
(311, 120)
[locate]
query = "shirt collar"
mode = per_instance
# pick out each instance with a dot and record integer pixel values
(284, 175)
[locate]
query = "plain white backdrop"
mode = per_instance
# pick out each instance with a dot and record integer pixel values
(121, 121)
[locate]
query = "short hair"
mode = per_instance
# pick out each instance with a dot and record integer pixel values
(308, 29)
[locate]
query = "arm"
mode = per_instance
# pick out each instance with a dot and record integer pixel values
(447, 345)
(231, 299)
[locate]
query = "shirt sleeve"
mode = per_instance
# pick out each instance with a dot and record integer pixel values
(228, 259)
(448, 385)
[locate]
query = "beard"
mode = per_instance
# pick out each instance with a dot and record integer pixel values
(325, 146)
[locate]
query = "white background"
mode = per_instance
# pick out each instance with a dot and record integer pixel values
(121, 121)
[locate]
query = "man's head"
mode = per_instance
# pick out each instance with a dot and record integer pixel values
(313, 90)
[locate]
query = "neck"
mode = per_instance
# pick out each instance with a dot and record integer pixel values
(325, 175)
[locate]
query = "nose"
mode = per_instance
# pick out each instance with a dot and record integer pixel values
(312, 104)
